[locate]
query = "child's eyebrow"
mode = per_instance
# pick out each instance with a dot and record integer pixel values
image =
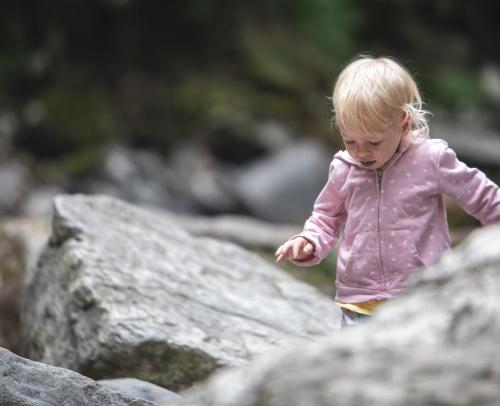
(367, 139)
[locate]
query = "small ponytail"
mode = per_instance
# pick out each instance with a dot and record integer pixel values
(418, 118)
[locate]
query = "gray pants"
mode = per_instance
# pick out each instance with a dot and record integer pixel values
(351, 318)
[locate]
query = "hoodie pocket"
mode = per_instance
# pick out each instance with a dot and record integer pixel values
(361, 261)
(400, 256)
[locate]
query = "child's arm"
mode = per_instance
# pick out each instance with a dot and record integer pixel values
(322, 228)
(469, 187)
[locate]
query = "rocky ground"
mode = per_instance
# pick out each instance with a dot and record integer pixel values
(122, 299)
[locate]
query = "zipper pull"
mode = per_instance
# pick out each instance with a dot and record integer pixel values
(379, 178)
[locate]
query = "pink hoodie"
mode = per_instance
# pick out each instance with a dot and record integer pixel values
(394, 221)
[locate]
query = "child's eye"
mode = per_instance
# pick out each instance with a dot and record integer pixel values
(349, 142)
(375, 143)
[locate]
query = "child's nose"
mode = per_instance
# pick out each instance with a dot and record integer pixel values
(363, 151)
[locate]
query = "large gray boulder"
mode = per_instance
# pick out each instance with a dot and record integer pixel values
(436, 345)
(283, 186)
(140, 389)
(27, 383)
(120, 291)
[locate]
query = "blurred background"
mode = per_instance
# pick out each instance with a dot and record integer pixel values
(216, 107)
(209, 108)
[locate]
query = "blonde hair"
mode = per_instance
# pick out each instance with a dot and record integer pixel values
(372, 93)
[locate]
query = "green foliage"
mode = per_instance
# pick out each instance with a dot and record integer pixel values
(457, 217)
(204, 59)
(79, 113)
(68, 116)
(456, 87)
(81, 161)
(268, 61)
(329, 24)
(204, 96)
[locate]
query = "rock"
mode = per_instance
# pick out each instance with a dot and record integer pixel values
(9, 315)
(14, 180)
(283, 186)
(38, 202)
(9, 125)
(435, 345)
(231, 136)
(121, 291)
(472, 142)
(189, 183)
(273, 135)
(138, 176)
(198, 176)
(140, 389)
(21, 241)
(489, 76)
(242, 230)
(28, 383)
(31, 235)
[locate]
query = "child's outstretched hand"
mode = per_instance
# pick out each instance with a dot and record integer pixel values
(298, 249)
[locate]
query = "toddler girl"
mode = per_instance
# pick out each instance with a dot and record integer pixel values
(385, 190)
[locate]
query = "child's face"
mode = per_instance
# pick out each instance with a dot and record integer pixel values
(373, 151)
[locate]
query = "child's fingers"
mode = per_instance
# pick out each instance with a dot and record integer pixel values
(283, 255)
(282, 252)
(297, 247)
(308, 249)
(281, 249)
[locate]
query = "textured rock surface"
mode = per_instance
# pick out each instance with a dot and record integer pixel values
(27, 383)
(120, 291)
(436, 345)
(140, 389)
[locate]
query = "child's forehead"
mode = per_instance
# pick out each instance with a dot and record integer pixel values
(344, 133)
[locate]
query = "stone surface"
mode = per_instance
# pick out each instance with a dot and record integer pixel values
(189, 181)
(14, 183)
(21, 241)
(435, 345)
(27, 383)
(283, 186)
(120, 291)
(31, 234)
(140, 389)
(473, 142)
(242, 230)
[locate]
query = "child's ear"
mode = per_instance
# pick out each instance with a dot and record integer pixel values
(405, 125)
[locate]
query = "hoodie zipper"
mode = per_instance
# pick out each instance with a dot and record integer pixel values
(379, 176)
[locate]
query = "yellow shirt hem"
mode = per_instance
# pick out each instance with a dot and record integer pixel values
(367, 307)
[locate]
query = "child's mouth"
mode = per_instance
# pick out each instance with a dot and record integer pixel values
(367, 163)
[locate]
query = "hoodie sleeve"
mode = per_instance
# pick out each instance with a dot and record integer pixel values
(327, 218)
(469, 187)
